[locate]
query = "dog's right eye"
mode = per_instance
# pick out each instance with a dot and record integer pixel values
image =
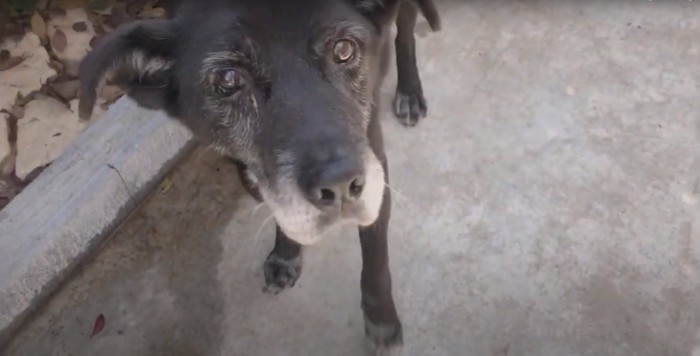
(343, 51)
(228, 81)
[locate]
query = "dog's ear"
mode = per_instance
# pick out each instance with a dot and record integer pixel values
(138, 57)
(382, 11)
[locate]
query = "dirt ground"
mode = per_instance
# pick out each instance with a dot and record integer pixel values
(40, 50)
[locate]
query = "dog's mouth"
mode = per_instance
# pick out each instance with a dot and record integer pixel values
(305, 222)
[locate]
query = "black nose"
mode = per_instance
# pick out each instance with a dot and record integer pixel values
(335, 181)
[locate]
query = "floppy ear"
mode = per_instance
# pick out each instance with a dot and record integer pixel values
(382, 11)
(138, 57)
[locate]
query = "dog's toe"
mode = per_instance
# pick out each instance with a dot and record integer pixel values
(385, 340)
(410, 107)
(280, 273)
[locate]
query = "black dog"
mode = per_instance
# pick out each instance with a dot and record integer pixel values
(289, 90)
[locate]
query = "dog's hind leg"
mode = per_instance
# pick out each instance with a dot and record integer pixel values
(283, 265)
(409, 103)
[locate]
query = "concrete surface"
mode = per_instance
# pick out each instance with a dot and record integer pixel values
(73, 206)
(548, 206)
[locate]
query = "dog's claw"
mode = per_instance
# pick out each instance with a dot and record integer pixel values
(410, 107)
(280, 273)
(385, 340)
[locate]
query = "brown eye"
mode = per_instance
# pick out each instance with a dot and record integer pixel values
(228, 81)
(343, 51)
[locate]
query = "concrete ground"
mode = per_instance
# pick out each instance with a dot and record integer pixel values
(547, 206)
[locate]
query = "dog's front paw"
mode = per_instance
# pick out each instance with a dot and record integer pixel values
(410, 107)
(385, 340)
(280, 273)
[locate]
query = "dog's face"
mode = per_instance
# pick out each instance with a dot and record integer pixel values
(287, 87)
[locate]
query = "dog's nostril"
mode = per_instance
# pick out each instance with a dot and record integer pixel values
(356, 187)
(327, 196)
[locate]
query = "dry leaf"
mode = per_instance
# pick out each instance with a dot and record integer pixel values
(165, 185)
(101, 6)
(68, 89)
(118, 16)
(59, 41)
(41, 4)
(71, 67)
(99, 325)
(153, 13)
(94, 41)
(56, 65)
(70, 4)
(110, 93)
(80, 26)
(39, 27)
(10, 62)
(16, 112)
(135, 6)
(98, 23)
(57, 12)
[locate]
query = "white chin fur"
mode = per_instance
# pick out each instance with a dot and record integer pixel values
(304, 223)
(373, 193)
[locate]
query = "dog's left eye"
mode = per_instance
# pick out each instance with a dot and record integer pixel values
(343, 51)
(228, 81)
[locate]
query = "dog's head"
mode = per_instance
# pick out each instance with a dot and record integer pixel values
(286, 87)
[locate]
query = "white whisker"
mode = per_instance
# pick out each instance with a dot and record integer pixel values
(260, 228)
(256, 208)
(396, 192)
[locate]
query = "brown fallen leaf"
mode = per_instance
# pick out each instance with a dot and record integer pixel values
(99, 325)
(16, 112)
(80, 26)
(155, 12)
(38, 26)
(71, 67)
(67, 89)
(135, 6)
(165, 185)
(8, 61)
(22, 100)
(110, 94)
(59, 41)
(56, 65)
(101, 6)
(70, 4)
(41, 4)
(48, 90)
(118, 16)
(95, 40)
(57, 12)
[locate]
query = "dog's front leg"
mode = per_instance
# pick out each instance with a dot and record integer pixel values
(283, 265)
(382, 324)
